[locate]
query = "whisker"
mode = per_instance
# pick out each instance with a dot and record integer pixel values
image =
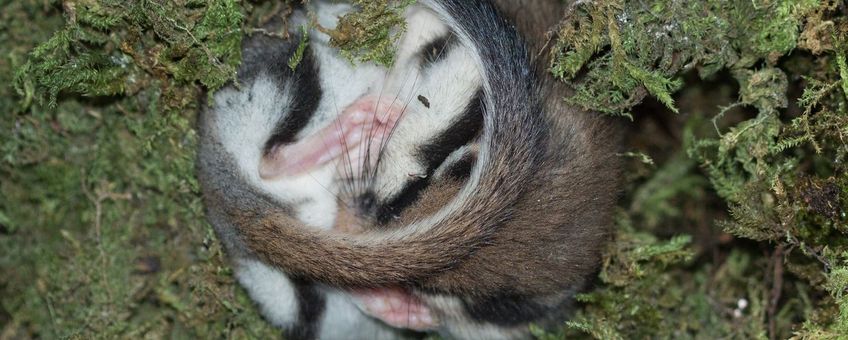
(388, 136)
(322, 185)
(346, 166)
(342, 188)
(364, 158)
(445, 48)
(366, 175)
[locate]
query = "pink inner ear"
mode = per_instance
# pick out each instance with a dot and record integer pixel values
(396, 307)
(365, 123)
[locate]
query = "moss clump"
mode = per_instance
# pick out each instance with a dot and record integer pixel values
(371, 32)
(774, 155)
(101, 227)
(111, 48)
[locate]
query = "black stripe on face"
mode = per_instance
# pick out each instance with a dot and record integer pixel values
(306, 96)
(408, 195)
(436, 50)
(433, 153)
(459, 133)
(311, 304)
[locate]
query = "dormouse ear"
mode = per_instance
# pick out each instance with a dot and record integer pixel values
(304, 155)
(363, 124)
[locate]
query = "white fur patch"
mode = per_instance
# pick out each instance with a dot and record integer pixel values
(271, 290)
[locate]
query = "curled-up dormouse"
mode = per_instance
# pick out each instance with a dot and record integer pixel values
(452, 192)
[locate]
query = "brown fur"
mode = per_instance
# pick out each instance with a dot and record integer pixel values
(561, 222)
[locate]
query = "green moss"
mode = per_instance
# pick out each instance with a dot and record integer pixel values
(102, 231)
(116, 48)
(371, 31)
(643, 46)
(301, 48)
(776, 161)
(735, 228)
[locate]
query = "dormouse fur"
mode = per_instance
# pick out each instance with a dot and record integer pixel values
(523, 229)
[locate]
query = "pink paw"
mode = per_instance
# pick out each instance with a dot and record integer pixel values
(396, 307)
